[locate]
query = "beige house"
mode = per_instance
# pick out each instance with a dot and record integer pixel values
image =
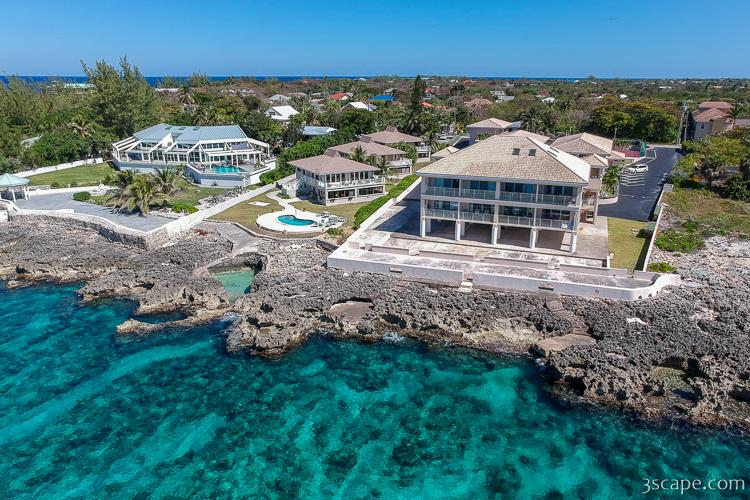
(506, 184)
(598, 153)
(391, 136)
(711, 118)
(487, 128)
(398, 164)
(332, 179)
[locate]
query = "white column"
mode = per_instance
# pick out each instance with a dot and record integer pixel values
(494, 234)
(532, 238)
(423, 227)
(573, 242)
(428, 225)
(463, 228)
(596, 206)
(458, 230)
(13, 193)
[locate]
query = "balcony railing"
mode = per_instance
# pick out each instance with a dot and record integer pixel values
(477, 216)
(373, 181)
(517, 221)
(486, 194)
(439, 191)
(441, 214)
(483, 194)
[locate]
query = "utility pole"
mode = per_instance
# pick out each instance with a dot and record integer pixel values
(682, 129)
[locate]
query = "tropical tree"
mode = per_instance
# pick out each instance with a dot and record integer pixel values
(611, 179)
(185, 96)
(358, 155)
(167, 180)
(140, 194)
(384, 166)
(122, 100)
(121, 182)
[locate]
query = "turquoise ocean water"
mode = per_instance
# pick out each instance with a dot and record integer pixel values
(85, 414)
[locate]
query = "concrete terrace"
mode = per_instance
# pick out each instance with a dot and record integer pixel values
(65, 202)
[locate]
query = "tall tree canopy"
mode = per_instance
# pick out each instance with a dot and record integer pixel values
(123, 101)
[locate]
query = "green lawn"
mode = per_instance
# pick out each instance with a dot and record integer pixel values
(344, 210)
(629, 250)
(86, 175)
(713, 213)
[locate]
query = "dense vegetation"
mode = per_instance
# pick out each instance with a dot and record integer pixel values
(365, 211)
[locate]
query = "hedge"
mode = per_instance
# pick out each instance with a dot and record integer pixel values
(661, 267)
(184, 208)
(82, 196)
(365, 211)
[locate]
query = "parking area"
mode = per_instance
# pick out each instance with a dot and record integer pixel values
(639, 191)
(65, 201)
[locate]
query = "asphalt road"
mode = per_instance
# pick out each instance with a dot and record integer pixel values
(639, 192)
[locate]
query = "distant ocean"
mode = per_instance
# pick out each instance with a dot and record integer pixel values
(154, 80)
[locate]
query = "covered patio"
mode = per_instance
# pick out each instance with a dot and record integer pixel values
(12, 184)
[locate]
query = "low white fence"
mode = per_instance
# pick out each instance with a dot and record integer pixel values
(61, 166)
(667, 188)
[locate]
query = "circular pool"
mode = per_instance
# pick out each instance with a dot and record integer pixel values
(291, 220)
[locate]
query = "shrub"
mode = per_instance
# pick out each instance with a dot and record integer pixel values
(661, 267)
(675, 240)
(648, 231)
(184, 208)
(365, 211)
(55, 185)
(82, 196)
(335, 231)
(738, 188)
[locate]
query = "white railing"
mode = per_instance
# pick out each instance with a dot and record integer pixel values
(485, 194)
(514, 220)
(373, 181)
(441, 214)
(478, 216)
(439, 191)
(482, 194)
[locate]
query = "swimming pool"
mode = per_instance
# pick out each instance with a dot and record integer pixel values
(291, 220)
(225, 170)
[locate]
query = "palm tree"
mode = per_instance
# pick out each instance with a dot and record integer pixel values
(121, 182)
(358, 154)
(167, 180)
(82, 126)
(384, 166)
(206, 114)
(531, 118)
(185, 97)
(141, 194)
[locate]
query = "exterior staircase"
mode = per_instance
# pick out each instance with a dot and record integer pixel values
(579, 335)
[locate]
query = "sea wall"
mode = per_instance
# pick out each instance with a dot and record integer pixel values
(61, 166)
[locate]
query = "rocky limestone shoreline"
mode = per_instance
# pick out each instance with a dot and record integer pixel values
(681, 355)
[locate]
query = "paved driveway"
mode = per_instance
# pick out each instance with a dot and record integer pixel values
(65, 201)
(639, 192)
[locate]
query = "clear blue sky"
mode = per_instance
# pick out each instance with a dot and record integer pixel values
(540, 38)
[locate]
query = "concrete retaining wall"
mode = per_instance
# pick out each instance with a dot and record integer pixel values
(385, 249)
(109, 230)
(61, 166)
(434, 254)
(494, 281)
(447, 276)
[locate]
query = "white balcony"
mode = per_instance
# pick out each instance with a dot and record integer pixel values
(477, 216)
(484, 194)
(441, 214)
(373, 181)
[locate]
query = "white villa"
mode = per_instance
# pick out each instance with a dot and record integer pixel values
(398, 164)
(391, 136)
(332, 179)
(506, 184)
(357, 105)
(213, 155)
(281, 113)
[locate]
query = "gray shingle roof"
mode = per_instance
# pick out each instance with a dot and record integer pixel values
(494, 158)
(327, 164)
(391, 135)
(370, 148)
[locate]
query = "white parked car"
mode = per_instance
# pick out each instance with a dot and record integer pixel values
(638, 169)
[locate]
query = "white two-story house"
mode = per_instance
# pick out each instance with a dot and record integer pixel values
(506, 184)
(391, 136)
(219, 155)
(332, 179)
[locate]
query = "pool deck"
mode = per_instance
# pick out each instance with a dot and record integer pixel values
(271, 221)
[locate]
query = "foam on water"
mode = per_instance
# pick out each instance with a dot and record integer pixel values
(84, 414)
